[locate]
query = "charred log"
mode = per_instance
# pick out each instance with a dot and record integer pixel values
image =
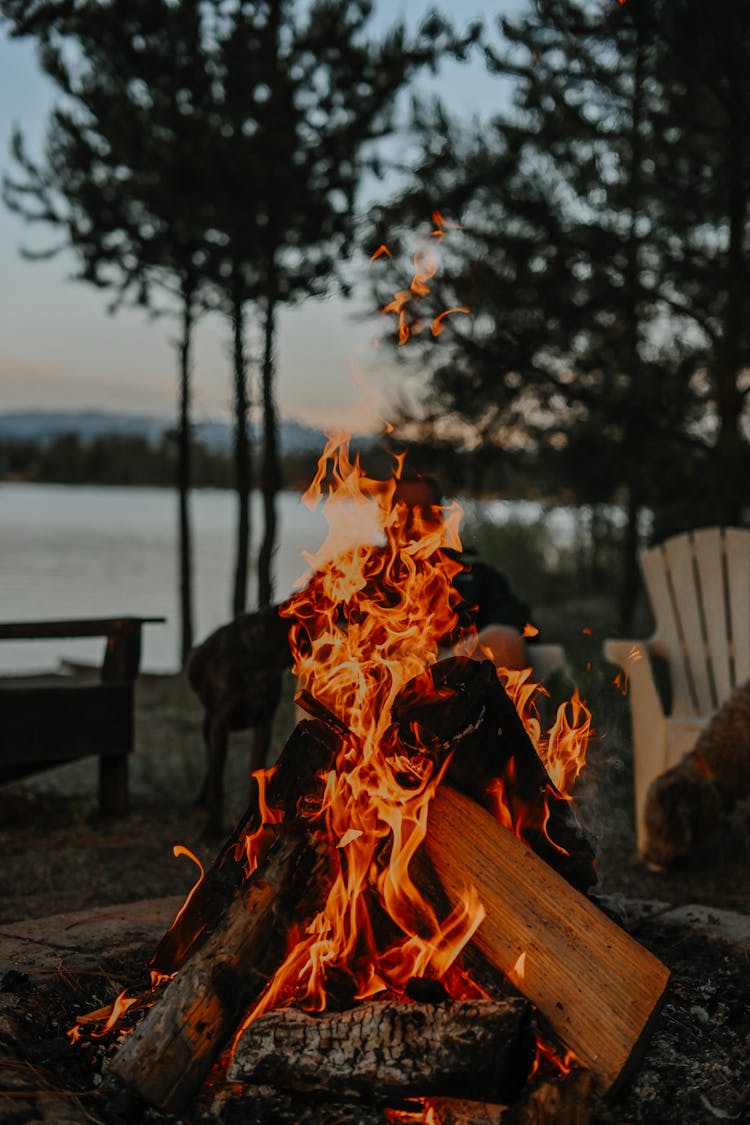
(385, 1051)
(293, 785)
(169, 1054)
(459, 707)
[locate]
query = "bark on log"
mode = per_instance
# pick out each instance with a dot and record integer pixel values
(311, 748)
(385, 1051)
(169, 1054)
(598, 989)
(459, 706)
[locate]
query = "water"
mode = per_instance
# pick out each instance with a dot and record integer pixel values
(82, 551)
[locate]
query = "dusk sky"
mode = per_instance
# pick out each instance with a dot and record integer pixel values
(59, 348)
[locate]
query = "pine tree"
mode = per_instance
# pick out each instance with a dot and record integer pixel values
(122, 173)
(586, 253)
(304, 94)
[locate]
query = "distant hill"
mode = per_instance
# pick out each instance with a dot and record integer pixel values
(46, 425)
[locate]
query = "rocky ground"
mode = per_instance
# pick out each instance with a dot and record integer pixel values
(57, 856)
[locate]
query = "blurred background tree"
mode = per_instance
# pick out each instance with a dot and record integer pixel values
(217, 150)
(604, 236)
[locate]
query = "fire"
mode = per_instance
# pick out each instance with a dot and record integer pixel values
(366, 623)
(368, 620)
(404, 303)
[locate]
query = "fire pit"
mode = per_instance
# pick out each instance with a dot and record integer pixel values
(400, 921)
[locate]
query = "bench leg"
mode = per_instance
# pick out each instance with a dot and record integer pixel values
(113, 786)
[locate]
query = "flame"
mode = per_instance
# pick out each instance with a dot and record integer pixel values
(366, 622)
(564, 752)
(405, 301)
(177, 851)
(108, 1017)
(517, 974)
(253, 844)
(437, 325)
(546, 1053)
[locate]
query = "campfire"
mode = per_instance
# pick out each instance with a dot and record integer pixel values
(400, 919)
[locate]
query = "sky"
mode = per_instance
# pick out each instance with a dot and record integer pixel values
(61, 349)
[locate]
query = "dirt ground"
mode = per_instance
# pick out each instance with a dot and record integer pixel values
(57, 856)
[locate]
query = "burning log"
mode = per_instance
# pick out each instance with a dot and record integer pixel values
(598, 989)
(168, 1056)
(386, 1051)
(564, 1100)
(293, 782)
(459, 706)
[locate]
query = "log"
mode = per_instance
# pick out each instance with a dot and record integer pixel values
(388, 1050)
(597, 988)
(311, 748)
(459, 707)
(169, 1054)
(564, 1100)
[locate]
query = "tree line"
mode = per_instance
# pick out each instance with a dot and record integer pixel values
(604, 256)
(210, 155)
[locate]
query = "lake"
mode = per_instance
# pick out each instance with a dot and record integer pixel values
(82, 551)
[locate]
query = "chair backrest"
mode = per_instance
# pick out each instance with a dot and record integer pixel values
(699, 586)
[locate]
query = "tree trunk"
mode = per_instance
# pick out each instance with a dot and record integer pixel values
(271, 474)
(731, 488)
(185, 547)
(243, 474)
(630, 581)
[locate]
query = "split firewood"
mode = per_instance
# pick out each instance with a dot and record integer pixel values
(311, 749)
(459, 706)
(169, 1054)
(596, 987)
(388, 1050)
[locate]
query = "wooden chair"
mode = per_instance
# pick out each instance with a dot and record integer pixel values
(698, 584)
(48, 725)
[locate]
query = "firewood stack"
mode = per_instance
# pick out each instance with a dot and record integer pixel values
(545, 973)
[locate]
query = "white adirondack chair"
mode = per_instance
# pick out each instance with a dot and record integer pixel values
(698, 584)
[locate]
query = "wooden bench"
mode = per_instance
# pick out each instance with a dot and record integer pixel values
(48, 725)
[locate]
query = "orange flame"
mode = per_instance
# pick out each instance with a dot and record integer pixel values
(369, 619)
(564, 752)
(366, 623)
(108, 1016)
(404, 301)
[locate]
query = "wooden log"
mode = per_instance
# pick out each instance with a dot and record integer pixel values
(564, 1100)
(311, 749)
(388, 1050)
(169, 1054)
(597, 988)
(459, 707)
